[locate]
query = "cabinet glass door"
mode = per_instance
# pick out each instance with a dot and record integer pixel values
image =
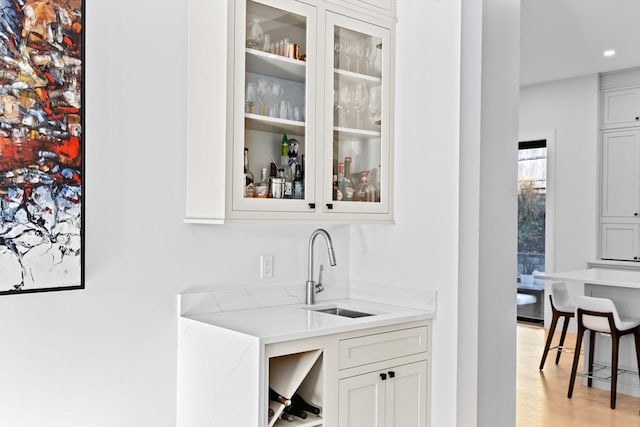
(273, 161)
(357, 113)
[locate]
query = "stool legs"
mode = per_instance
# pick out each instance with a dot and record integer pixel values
(552, 330)
(592, 349)
(615, 345)
(576, 356)
(565, 325)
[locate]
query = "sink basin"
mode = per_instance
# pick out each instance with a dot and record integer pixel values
(344, 312)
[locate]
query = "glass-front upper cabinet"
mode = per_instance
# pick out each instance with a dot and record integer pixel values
(357, 115)
(274, 113)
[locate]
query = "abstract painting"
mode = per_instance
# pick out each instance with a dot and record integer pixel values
(41, 145)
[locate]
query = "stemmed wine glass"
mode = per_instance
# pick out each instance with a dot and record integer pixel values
(371, 54)
(358, 53)
(338, 48)
(345, 104)
(360, 98)
(375, 105)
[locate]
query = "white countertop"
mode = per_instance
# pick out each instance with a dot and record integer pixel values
(597, 276)
(295, 321)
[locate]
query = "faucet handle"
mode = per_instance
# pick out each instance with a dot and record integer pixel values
(319, 287)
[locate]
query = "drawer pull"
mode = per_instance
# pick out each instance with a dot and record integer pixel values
(392, 374)
(383, 376)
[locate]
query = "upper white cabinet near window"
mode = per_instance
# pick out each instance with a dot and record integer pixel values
(619, 155)
(620, 107)
(301, 92)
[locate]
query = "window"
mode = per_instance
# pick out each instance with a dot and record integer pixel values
(532, 186)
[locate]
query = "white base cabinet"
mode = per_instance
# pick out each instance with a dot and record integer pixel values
(391, 397)
(376, 377)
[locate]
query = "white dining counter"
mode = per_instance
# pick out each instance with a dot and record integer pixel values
(597, 276)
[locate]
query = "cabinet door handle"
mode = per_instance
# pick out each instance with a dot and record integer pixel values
(392, 374)
(312, 205)
(329, 205)
(635, 214)
(383, 376)
(635, 258)
(637, 118)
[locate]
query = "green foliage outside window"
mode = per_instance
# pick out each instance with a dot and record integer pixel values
(531, 227)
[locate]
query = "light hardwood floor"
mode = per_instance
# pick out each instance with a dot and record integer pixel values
(542, 395)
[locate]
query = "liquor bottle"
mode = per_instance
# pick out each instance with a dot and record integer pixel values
(366, 190)
(341, 189)
(336, 190)
(349, 187)
(299, 403)
(261, 189)
(298, 184)
(288, 181)
(284, 159)
(248, 175)
(276, 397)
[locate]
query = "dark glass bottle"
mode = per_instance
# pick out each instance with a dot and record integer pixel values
(349, 188)
(298, 402)
(298, 184)
(276, 397)
(248, 175)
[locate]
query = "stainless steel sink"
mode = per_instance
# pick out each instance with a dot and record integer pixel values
(344, 312)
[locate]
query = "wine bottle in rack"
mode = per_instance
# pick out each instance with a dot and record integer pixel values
(286, 417)
(276, 397)
(299, 403)
(295, 411)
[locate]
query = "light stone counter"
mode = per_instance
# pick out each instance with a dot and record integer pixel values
(295, 321)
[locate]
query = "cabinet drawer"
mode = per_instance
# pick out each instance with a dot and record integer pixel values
(375, 348)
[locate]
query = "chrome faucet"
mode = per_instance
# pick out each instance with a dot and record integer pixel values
(312, 287)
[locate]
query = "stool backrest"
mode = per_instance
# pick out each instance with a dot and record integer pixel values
(599, 305)
(560, 295)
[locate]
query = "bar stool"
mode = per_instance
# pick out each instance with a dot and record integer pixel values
(600, 315)
(561, 307)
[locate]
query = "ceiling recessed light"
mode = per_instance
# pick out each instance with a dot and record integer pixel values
(609, 52)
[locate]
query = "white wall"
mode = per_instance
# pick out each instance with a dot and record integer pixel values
(569, 108)
(106, 356)
(420, 251)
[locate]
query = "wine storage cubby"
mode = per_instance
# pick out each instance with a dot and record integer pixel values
(295, 376)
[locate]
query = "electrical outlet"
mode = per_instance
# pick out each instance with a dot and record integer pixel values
(266, 266)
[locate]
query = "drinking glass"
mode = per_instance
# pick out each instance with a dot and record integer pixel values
(250, 97)
(261, 94)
